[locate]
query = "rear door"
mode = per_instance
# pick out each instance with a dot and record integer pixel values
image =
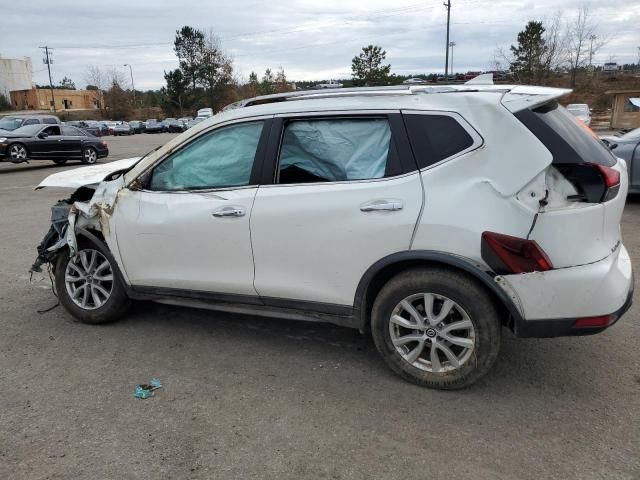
(72, 139)
(583, 190)
(340, 191)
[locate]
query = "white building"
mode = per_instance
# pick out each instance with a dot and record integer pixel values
(15, 74)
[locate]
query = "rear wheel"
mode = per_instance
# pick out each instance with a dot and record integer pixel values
(89, 287)
(436, 328)
(89, 155)
(18, 153)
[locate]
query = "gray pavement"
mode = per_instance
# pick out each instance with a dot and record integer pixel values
(249, 397)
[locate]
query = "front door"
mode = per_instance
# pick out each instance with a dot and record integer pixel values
(188, 228)
(48, 147)
(346, 194)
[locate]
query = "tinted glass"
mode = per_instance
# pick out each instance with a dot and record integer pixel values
(569, 141)
(334, 150)
(50, 121)
(52, 130)
(436, 137)
(222, 158)
(72, 131)
(31, 121)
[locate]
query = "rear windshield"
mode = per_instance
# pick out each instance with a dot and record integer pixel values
(568, 140)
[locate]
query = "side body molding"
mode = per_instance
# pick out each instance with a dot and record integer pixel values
(379, 272)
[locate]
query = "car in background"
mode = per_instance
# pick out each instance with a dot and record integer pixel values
(627, 147)
(137, 126)
(194, 122)
(122, 128)
(111, 125)
(154, 126)
(58, 143)
(184, 121)
(11, 122)
(174, 126)
(205, 112)
(581, 111)
(93, 127)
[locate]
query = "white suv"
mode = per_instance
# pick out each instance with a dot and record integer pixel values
(429, 216)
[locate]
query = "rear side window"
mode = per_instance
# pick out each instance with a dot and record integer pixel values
(334, 150)
(50, 121)
(436, 137)
(568, 140)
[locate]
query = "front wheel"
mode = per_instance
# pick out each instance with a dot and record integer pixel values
(88, 285)
(89, 155)
(436, 328)
(18, 153)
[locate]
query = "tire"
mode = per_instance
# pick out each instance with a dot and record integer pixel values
(114, 305)
(18, 153)
(60, 161)
(451, 298)
(89, 155)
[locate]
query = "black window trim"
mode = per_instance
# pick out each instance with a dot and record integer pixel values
(404, 162)
(478, 139)
(258, 159)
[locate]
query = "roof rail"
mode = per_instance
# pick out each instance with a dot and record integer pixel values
(472, 85)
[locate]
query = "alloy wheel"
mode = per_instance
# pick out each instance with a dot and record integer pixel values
(18, 152)
(89, 279)
(90, 155)
(432, 332)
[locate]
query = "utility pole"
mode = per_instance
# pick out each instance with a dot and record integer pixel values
(49, 61)
(132, 85)
(452, 44)
(591, 39)
(446, 62)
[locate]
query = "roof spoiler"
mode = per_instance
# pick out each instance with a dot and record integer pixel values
(521, 97)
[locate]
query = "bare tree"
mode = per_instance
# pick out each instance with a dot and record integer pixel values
(582, 41)
(96, 79)
(555, 41)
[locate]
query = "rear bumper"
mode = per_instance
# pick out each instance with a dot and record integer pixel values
(551, 302)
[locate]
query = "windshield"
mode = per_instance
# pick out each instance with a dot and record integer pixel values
(10, 123)
(28, 130)
(632, 135)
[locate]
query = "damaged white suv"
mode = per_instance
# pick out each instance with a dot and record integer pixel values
(431, 217)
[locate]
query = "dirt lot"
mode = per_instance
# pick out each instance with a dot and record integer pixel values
(248, 397)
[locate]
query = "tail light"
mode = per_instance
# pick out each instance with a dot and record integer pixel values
(611, 179)
(506, 254)
(595, 322)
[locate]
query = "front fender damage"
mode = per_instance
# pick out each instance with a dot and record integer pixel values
(85, 208)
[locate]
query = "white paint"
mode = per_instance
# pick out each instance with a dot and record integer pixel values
(84, 176)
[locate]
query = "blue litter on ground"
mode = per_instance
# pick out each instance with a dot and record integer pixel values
(146, 391)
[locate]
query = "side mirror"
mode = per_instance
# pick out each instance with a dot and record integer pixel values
(613, 146)
(43, 135)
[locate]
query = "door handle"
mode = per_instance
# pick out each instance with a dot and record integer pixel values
(229, 212)
(382, 205)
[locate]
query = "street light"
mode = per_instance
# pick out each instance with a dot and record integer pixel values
(451, 45)
(132, 86)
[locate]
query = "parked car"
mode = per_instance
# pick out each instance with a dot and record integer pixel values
(51, 142)
(137, 126)
(205, 112)
(12, 122)
(111, 125)
(195, 121)
(581, 111)
(357, 210)
(174, 125)
(93, 127)
(154, 126)
(627, 147)
(122, 128)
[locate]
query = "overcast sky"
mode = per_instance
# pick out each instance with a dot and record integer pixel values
(310, 39)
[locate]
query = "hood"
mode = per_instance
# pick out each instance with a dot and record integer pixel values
(84, 176)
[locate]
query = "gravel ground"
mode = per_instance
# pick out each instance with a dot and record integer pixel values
(249, 397)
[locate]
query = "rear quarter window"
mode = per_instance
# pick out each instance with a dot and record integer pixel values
(436, 137)
(568, 140)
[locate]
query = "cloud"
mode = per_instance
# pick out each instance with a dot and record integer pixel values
(309, 39)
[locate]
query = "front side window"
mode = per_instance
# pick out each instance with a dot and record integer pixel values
(222, 158)
(334, 150)
(53, 130)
